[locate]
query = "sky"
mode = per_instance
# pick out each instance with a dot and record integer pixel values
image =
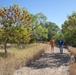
(55, 10)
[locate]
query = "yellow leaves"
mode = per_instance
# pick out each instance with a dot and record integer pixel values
(14, 16)
(1, 13)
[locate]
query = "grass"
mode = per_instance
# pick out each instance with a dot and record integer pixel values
(72, 49)
(72, 68)
(19, 57)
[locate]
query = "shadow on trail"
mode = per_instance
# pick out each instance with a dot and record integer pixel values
(51, 60)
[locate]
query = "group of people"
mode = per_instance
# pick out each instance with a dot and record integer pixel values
(60, 43)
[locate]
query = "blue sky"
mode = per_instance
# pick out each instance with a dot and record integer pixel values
(55, 10)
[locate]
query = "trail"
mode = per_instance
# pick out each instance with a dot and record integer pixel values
(48, 64)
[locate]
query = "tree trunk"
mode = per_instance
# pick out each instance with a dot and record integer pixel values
(5, 46)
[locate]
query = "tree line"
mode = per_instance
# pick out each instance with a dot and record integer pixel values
(69, 30)
(19, 26)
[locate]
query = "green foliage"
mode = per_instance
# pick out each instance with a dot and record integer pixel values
(58, 36)
(40, 33)
(38, 19)
(41, 18)
(52, 29)
(69, 29)
(43, 30)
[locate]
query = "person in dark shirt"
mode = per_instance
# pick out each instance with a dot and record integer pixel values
(60, 42)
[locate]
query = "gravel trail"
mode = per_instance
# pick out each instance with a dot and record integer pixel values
(48, 64)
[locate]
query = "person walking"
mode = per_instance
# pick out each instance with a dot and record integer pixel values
(52, 42)
(60, 42)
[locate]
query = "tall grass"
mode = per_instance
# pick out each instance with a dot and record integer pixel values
(72, 49)
(72, 68)
(17, 58)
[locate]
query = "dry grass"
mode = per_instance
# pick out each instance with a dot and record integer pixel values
(73, 69)
(72, 49)
(72, 65)
(17, 58)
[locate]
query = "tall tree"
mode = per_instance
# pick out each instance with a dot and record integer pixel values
(10, 17)
(52, 29)
(38, 19)
(69, 29)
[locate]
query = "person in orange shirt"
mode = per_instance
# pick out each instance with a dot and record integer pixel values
(52, 42)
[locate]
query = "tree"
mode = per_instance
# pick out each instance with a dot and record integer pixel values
(10, 18)
(38, 19)
(69, 29)
(52, 29)
(41, 18)
(40, 33)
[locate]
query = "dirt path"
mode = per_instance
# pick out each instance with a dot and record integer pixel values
(48, 64)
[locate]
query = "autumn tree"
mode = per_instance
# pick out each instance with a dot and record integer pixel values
(11, 18)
